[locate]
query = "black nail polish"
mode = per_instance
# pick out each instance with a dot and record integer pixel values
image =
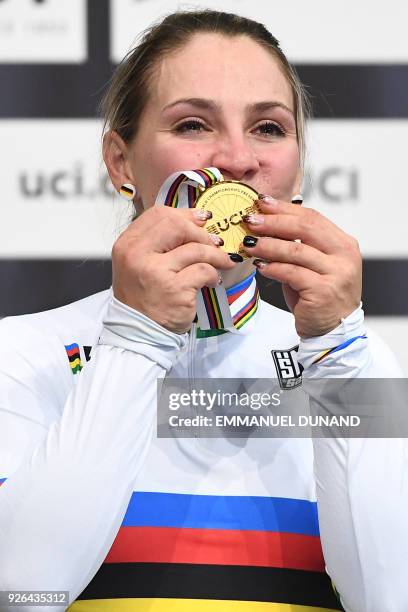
(245, 218)
(236, 257)
(250, 241)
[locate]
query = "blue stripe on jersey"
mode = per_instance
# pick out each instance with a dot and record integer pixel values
(241, 285)
(222, 512)
(2, 480)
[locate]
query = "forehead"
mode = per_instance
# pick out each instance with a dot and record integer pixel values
(235, 69)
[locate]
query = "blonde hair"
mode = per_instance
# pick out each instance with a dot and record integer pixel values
(130, 87)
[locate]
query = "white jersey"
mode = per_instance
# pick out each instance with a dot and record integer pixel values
(94, 503)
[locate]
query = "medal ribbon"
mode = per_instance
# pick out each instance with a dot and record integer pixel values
(181, 189)
(217, 308)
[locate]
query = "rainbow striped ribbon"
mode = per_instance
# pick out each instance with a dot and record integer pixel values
(242, 301)
(217, 308)
(181, 189)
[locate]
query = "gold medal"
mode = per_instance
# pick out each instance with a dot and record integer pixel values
(228, 201)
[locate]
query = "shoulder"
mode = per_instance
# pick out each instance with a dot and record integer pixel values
(80, 318)
(77, 315)
(37, 351)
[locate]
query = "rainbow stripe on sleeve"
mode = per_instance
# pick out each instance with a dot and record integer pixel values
(335, 349)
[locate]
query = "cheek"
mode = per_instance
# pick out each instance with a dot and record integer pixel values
(280, 172)
(160, 162)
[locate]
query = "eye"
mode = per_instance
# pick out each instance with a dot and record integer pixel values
(269, 128)
(191, 125)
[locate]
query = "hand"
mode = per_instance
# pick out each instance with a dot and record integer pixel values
(321, 276)
(160, 262)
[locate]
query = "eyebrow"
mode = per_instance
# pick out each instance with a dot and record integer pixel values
(211, 105)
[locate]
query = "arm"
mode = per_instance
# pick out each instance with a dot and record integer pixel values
(67, 497)
(362, 484)
(61, 507)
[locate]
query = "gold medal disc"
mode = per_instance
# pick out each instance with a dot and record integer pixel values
(228, 201)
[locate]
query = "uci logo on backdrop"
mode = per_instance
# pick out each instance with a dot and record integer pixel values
(333, 185)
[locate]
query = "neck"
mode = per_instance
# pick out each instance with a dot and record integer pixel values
(237, 274)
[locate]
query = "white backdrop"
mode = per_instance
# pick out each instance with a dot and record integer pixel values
(56, 201)
(54, 31)
(309, 32)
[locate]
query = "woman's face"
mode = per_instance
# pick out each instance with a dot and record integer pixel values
(220, 102)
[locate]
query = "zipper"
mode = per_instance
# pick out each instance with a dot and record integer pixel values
(192, 342)
(192, 345)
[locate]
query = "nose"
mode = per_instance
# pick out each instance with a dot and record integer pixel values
(235, 157)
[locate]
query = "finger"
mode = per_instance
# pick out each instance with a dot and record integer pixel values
(151, 216)
(198, 275)
(170, 232)
(287, 251)
(296, 277)
(269, 205)
(197, 215)
(195, 252)
(311, 228)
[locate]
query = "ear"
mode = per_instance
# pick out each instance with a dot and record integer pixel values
(115, 155)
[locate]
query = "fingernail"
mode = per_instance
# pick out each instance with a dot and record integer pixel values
(259, 263)
(203, 215)
(236, 257)
(267, 199)
(217, 240)
(253, 219)
(250, 241)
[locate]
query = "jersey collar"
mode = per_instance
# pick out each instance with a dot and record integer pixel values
(243, 300)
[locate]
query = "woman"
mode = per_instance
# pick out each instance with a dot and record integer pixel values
(92, 501)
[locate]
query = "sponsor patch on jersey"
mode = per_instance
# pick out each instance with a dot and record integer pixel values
(74, 356)
(287, 367)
